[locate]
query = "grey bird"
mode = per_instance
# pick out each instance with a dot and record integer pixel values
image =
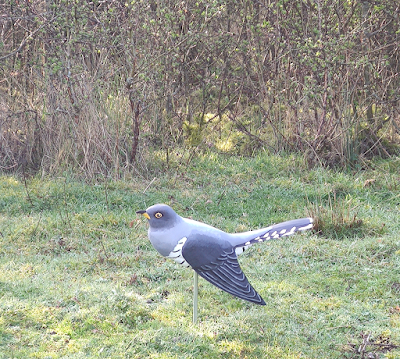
(211, 252)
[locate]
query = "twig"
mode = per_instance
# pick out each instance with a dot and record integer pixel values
(220, 197)
(66, 204)
(365, 342)
(106, 194)
(104, 249)
(24, 41)
(37, 225)
(26, 187)
(149, 185)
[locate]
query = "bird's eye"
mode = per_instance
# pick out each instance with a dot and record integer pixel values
(158, 215)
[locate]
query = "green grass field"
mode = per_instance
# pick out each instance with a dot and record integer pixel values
(79, 278)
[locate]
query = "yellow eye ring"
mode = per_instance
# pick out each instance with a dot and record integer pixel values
(158, 215)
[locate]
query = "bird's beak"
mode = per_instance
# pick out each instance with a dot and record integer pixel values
(144, 214)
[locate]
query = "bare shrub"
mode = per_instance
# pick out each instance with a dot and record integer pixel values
(96, 88)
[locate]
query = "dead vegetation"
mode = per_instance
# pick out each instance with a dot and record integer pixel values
(367, 347)
(107, 88)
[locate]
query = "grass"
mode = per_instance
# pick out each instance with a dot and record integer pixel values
(79, 279)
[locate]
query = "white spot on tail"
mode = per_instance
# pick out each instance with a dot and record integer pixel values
(308, 226)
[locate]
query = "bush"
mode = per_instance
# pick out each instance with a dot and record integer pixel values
(97, 86)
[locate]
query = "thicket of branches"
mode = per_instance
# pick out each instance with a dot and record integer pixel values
(107, 87)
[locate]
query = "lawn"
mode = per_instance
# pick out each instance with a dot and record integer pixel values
(79, 278)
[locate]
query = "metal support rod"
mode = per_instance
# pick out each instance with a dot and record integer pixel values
(195, 296)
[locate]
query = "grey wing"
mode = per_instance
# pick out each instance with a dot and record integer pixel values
(216, 261)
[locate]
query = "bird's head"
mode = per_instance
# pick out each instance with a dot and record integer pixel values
(160, 216)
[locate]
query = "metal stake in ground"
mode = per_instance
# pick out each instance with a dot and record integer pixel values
(195, 296)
